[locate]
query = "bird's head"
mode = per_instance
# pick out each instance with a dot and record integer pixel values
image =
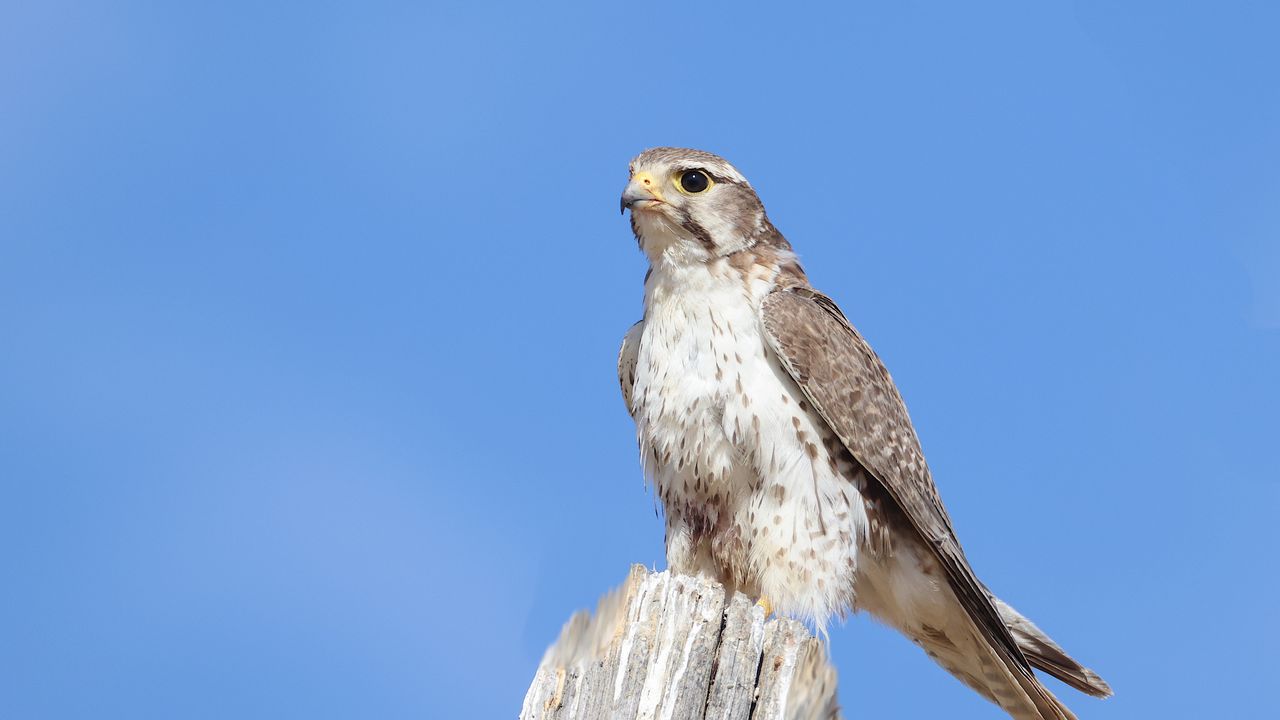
(690, 206)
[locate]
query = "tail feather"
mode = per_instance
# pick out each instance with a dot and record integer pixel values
(992, 670)
(1043, 653)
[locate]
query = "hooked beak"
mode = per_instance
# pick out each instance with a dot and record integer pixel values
(642, 192)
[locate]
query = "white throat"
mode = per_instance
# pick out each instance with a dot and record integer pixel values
(666, 243)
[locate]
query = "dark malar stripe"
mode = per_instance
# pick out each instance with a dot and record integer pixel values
(700, 233)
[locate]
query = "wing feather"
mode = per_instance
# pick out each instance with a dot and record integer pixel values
(851, 389)
(628, 356)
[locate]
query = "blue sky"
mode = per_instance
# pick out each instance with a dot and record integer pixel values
(309, 313)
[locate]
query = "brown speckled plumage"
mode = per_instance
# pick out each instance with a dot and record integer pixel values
(782, 450)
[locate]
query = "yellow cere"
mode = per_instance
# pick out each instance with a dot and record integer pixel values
(645, 179)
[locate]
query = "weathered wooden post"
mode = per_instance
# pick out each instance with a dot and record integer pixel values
(673, 647)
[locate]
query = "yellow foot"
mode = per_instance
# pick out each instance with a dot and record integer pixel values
(768, 606)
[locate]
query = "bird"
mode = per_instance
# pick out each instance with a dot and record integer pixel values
(781, 450)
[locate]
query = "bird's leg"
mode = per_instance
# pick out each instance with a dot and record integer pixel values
(768, 606)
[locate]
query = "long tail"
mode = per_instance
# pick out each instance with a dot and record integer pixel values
(998, 671)
(908, 592)
(988, 667)
(1045, 654)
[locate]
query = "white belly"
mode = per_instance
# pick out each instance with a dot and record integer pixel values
(753, 496)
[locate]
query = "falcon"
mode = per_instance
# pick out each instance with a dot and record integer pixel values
(781, 450)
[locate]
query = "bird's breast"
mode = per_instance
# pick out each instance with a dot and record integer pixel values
(749, 475)
(697, 353)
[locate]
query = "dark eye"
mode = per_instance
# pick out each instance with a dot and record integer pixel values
(694, 181)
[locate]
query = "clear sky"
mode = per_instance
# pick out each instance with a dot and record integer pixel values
(309, 314)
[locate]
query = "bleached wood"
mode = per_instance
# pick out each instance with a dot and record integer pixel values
(674, 647)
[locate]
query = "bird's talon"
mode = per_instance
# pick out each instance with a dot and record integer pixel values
(768, 607)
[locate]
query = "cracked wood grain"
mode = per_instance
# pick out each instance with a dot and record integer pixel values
(673, 647)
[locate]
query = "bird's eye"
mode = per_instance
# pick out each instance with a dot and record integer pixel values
(693, 182)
